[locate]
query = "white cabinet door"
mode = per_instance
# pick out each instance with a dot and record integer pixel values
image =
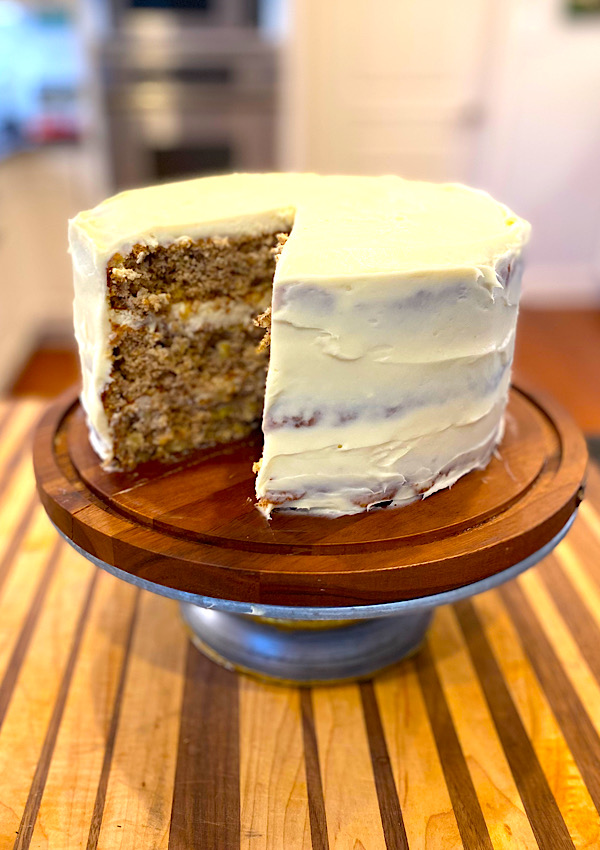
(373, 86)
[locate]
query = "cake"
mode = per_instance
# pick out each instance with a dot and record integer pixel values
(367, 322)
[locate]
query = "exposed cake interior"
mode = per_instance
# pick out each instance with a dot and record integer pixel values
(187, 368)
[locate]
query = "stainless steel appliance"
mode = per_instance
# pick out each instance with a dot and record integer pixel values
(187, 91)
(205, 13)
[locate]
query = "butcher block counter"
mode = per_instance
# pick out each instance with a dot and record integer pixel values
(115, 732)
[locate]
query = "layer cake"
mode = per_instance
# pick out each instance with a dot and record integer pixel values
(389, 306)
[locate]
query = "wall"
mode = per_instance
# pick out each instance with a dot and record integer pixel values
(503, 94)
(541, 150)
(39, 191)
(374, 86)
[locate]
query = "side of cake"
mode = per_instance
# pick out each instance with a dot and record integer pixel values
(393, 308)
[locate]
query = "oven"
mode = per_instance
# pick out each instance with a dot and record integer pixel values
(204, 106)
(198, 13)
(188, 88)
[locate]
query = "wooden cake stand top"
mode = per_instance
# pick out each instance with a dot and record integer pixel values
(193, 527)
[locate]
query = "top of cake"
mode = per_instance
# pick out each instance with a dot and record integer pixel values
(342, 226)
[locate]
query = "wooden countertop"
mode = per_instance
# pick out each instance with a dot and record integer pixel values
(116, 733)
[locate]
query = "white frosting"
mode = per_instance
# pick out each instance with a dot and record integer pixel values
(392, 324)
(203, 315)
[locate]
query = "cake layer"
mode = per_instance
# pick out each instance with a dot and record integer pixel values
(364, 393)
(150, 279)
(191, 317)
(142, 432)
(349, 478)
(464, 315)
(174, 388)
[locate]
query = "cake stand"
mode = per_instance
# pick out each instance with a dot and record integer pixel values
(301, 598)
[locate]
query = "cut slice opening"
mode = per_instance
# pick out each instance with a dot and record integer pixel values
(189, 348)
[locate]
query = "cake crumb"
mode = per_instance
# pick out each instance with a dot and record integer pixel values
(264, 321)
(265, 343)
(282, 238)
(121, 273)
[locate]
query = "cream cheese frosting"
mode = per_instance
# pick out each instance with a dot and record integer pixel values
(393, 316)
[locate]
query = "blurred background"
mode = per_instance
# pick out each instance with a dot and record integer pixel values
(101, 95)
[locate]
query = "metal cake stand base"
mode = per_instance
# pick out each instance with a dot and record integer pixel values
(297, 651)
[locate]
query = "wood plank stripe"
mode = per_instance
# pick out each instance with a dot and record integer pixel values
(273, 794)
(8, 408)
(387, 794)
(542, 810)
(23, 448)
(71, 787)
(96, 821)
(573, 560)
(17, 429)
(427, 812)
(349, 792)
(139, 796)
(206, 797)
(593, 483)
(584, 544)
(22, 645)
(495, 787)
(574, 611)
(543, 730)
(587, 534)
(41, 773)
(24, 575)
(35, 692)
(592, 490)
(16, 541)
(469, 817)
(17, 491)
(314, 784)
(575, 724)
(563, 645)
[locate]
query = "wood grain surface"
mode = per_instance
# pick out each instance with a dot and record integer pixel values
(193, 526)
(116, 733)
